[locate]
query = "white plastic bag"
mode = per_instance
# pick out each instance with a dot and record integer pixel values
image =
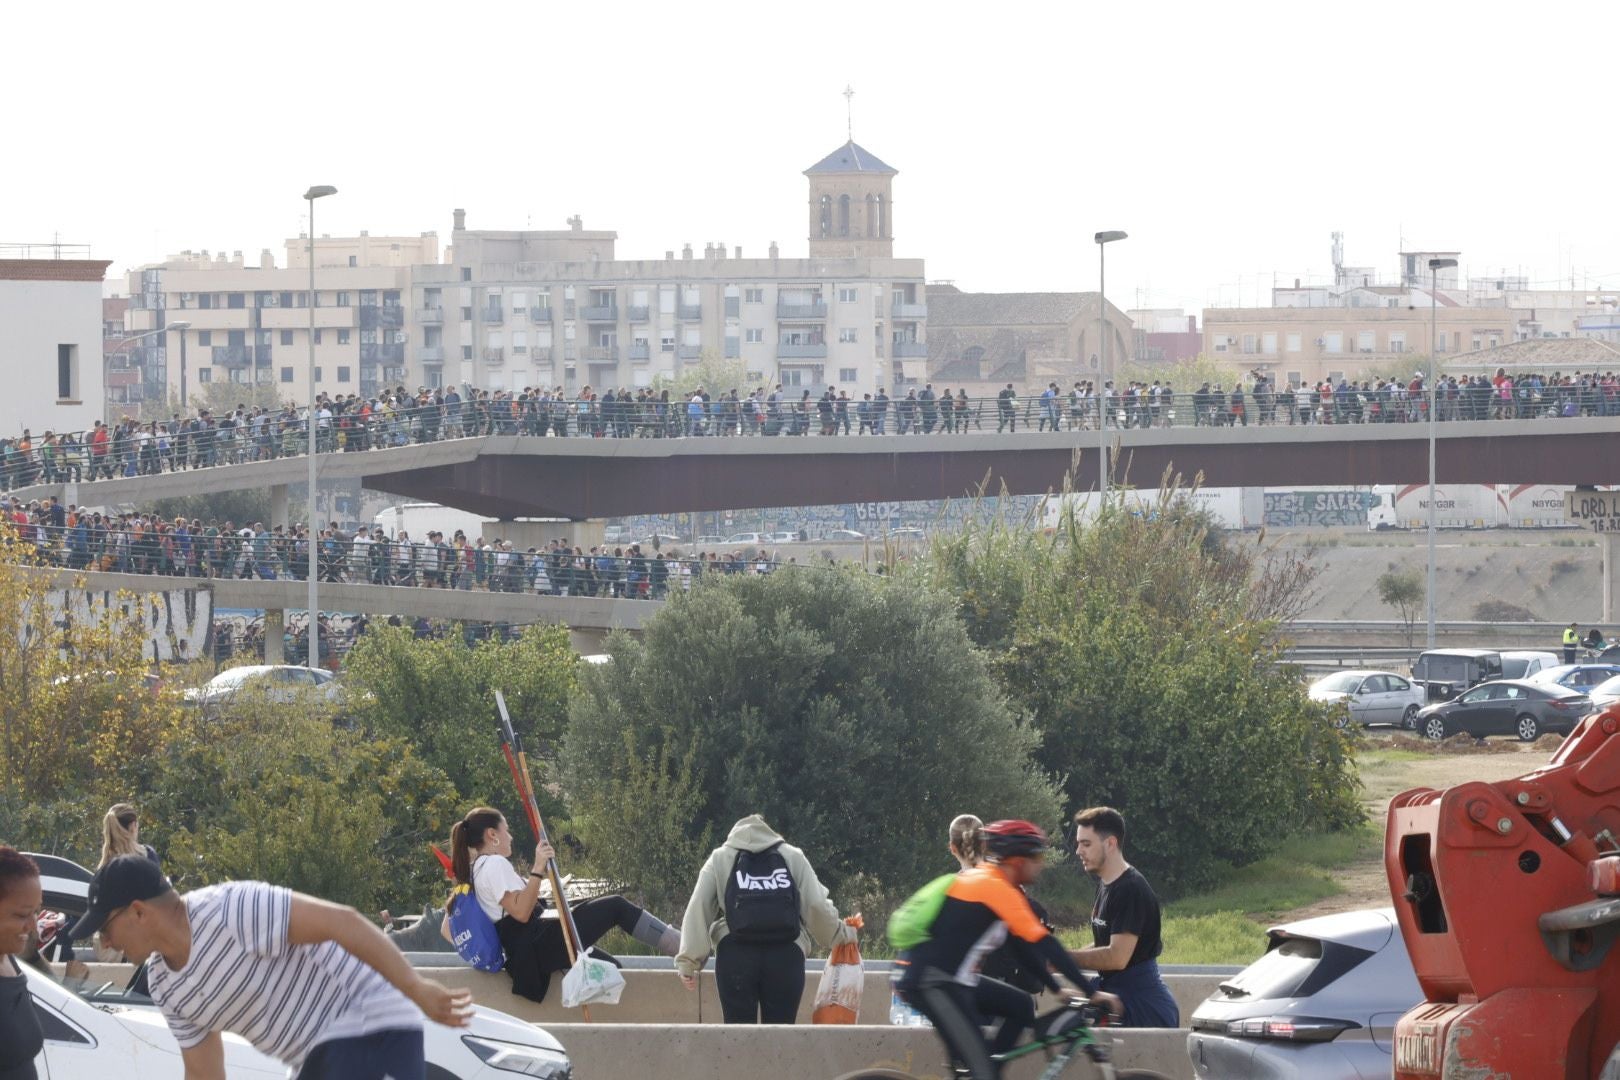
(591, 981)
(838, 999)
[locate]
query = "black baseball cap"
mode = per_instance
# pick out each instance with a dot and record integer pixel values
(120, 883)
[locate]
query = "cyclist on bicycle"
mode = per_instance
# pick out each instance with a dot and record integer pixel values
(981, 906)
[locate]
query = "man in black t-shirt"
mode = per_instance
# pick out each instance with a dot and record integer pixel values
(1124, 923)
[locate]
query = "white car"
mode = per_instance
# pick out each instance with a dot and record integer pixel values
(102, 1035)
(1372, 697)
(1519, 664)
(782, 537)
(746, 538)
(282, 683)
(1605, 694)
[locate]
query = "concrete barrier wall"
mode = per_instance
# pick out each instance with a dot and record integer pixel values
(707, 1052)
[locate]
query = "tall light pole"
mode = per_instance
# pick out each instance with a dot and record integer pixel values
(313, 657)
(1103, 240)
(1435, 266)
(106, 364)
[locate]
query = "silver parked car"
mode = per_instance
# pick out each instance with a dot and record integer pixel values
(1372, 697)
(1321, 1004)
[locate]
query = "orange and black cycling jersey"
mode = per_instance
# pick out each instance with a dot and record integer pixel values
(981, 909)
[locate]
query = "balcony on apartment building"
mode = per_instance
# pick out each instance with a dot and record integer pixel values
(798, 309)
(540, 314)
(430, 354)
(494, 316)
(688, 352)
(903, 310)
(797, 350)
(910, 350)
(601, 354)
(691, 311)
(262, 355)
(640, 351)
(429, 316)
(639, 313)
(387, 353)
(386, 317)
(494, 356)
(600, 313)
(232, 355)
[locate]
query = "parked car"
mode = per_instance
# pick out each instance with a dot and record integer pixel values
(1321, 1003)
(1577, 676)
(1519, 664)
(906, 534)
(782, 537)
(707, 541)
(659, 540)
(1445, 673)
(1506, 707)
(844, 534)
(119, 1033)
(746, 538)
(281, 683)
(615, 534)
(1604, 694)
(1371, 697)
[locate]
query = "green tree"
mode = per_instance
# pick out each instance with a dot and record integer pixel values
(851, 711)
(1404, 591)
(713, 374)
(1142, 647)
(440, 696)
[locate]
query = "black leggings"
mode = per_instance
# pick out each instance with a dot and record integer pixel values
(536, 949)
(759, 984)
(959, 1013)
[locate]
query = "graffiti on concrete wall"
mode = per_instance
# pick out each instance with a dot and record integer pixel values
(1293, 509)
(176, 622)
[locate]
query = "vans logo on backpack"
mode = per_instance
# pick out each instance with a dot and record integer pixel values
(777, 880)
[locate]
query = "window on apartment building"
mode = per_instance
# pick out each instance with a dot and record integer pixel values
(286, 374)
(342, 299)
(792, 376)
(754, 296)
(354, 260)
(206, 337)
(236, 300)
(1476, 343)
(1296, 378)
(848, 335)
(848, 295)
(666, 343)
(67, 372)
(286, 299)
(1366, 341)
(368, 297)
(666, 301)
(691, 335)
(1221, 343)
(263, 300)
(261, 337)
(205, 375)
(1248, 344)
(846, 374)
(317, 374)
(1397, 343)
(1293, 342)
(754, 335)
(343, 375)
(343, 337)
(286, 337)
(466, 352)
(466, 273)
(236, 339)
(317, 336)
(520, 342)
(1333, 341)
(1268, 344)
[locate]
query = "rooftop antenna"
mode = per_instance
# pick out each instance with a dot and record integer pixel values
(849, 111)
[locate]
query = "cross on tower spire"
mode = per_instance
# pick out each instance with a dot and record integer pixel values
(849, 111)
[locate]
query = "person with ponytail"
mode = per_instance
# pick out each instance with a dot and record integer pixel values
(480, 856)
(121, 835)
(1004, 964)
(21, 1038)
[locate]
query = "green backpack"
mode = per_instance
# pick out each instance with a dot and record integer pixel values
(913, 922)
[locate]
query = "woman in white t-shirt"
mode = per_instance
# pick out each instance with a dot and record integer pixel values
(480, 855)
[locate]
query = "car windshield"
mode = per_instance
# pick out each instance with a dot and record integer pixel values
(1345, 682)
(1514, 667)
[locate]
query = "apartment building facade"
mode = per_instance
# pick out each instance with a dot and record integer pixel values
(511, 309)
(51, 309)
(249, 325)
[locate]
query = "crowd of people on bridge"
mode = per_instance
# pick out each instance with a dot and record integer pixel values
(67, 536)
(351, 423)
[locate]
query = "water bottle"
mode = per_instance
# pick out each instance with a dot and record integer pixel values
(899, 1011)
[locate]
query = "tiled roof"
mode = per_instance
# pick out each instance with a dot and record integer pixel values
(1568, 355)
(952, 308)
(850, 158)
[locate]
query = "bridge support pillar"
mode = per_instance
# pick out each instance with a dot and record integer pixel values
(1611, 572)
(537, 534)
(278, 505)
(275, 625)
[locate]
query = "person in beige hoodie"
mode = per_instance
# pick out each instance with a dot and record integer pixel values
(759, 970)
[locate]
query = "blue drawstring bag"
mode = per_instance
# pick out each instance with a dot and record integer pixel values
(472, 933)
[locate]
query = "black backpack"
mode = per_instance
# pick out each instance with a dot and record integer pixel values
(762, 899)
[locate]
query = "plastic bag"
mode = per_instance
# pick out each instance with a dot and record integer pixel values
(838, 998)
(590, 981)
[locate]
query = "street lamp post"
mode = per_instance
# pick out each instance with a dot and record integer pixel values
(1435, 266)
(106, 366)
(1103, 239)
(313, 656)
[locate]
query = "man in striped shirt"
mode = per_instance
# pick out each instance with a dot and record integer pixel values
(307, 982)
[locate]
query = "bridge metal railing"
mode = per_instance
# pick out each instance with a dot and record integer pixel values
(135, 448)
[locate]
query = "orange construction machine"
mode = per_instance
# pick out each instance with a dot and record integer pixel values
(1508, 896)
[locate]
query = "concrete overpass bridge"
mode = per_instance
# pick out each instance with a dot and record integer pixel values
(507, 477)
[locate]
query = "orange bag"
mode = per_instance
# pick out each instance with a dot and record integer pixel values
(838, 998)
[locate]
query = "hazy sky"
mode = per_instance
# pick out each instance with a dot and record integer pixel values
(1230, 139)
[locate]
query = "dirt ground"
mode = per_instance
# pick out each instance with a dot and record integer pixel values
(1364, 882)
